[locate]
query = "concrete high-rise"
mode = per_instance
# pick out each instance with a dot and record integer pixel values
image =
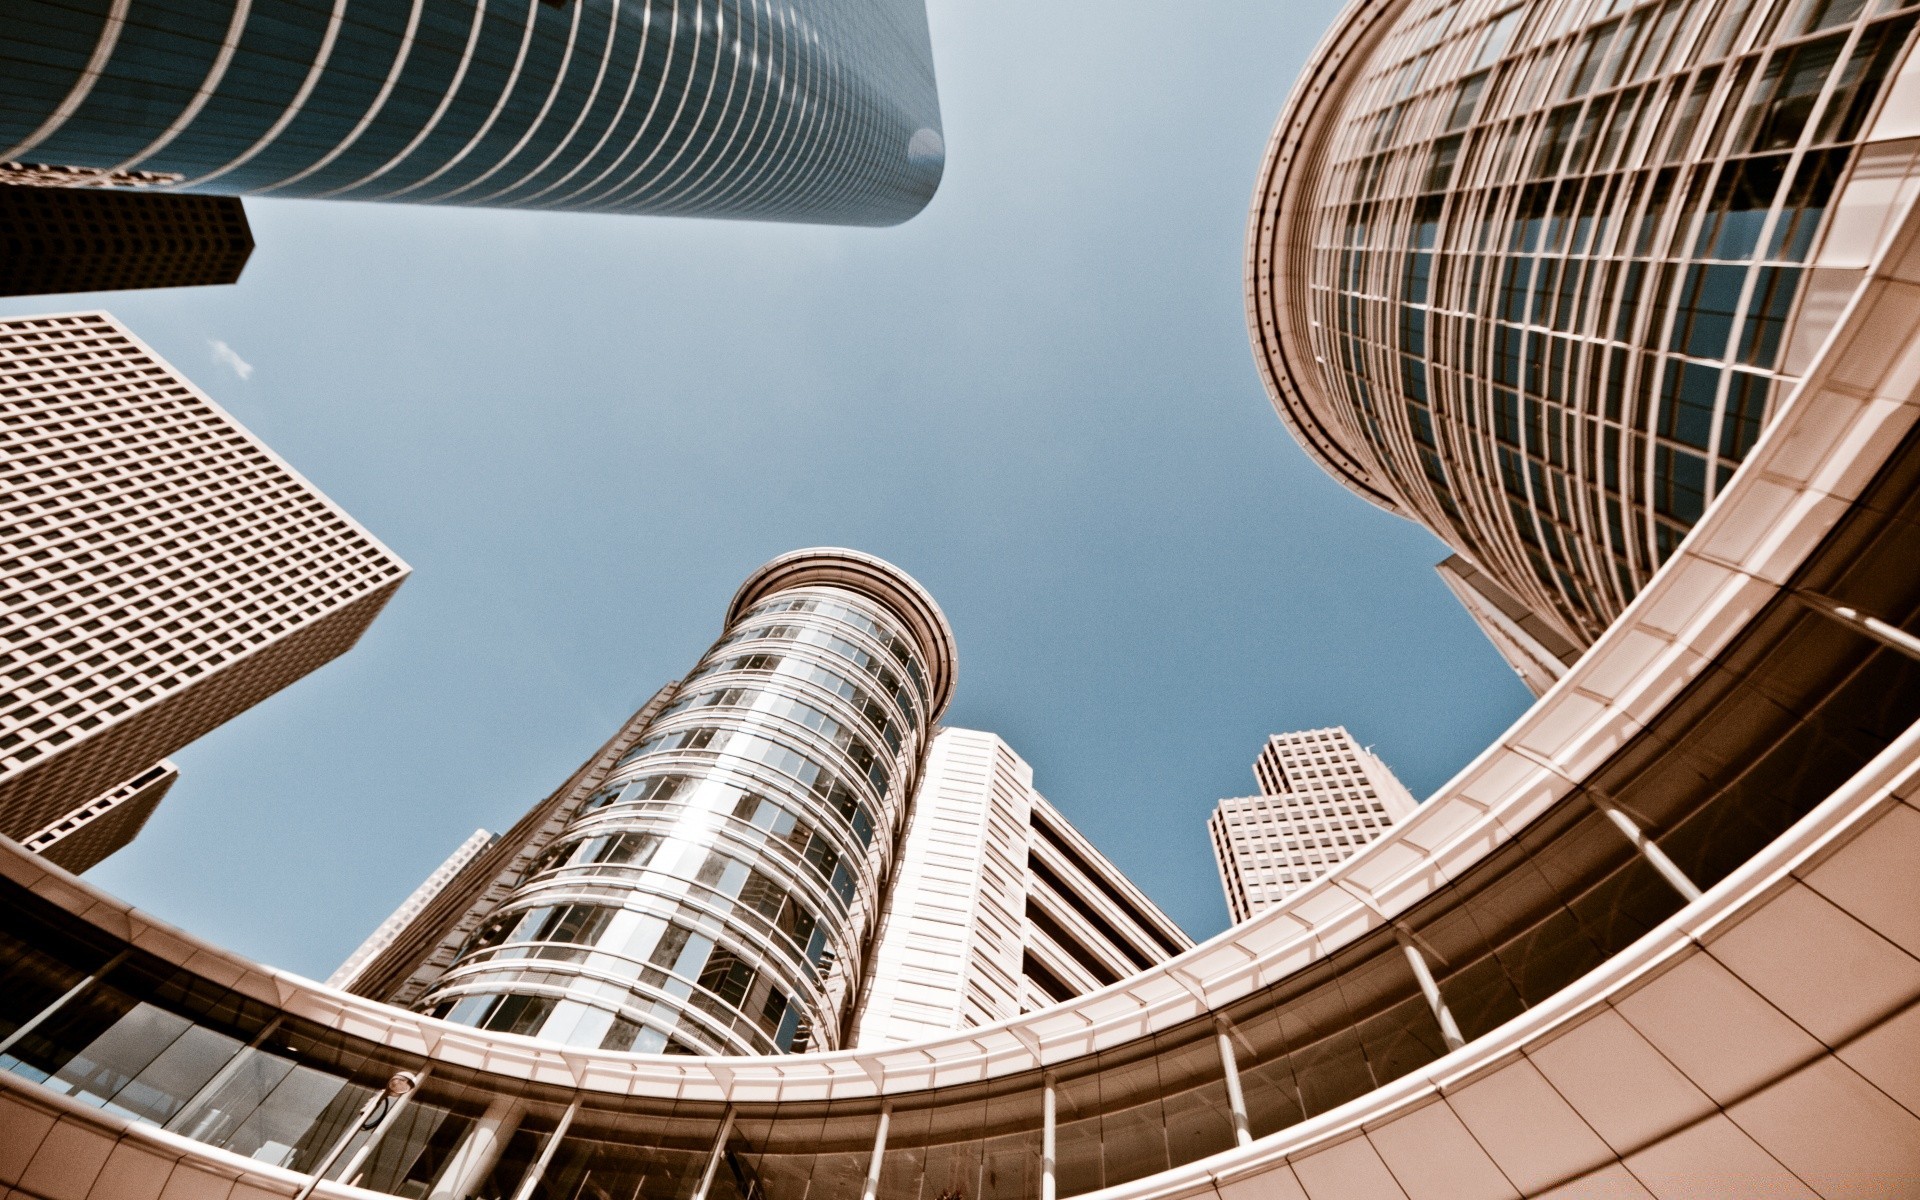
(92, 833)
(1538, 277)
(1322, 797)
(166, 571)
(825, 112)
(710, 881)
(999, 906)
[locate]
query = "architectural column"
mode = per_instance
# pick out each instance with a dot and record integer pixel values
(59, 1002)
(479, 1151)
(212, 1086)
(374, 1119)
(871, 1187)
(1655, 856)
(540, 1164)
(1449, 1028)
(713, 1156)
(1880, 631)
(1047, 1122)
(1230, 1066)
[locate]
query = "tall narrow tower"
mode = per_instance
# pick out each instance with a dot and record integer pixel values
(710, 883)
(823, 112)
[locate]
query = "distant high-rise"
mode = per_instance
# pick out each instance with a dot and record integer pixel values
(999, 906)
(709, 882)
(824, 112)
(166, 571)
(1538, 276)
(1323, 797)
(58, 237)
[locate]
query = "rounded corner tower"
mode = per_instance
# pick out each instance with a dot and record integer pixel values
(1537, 275)
(714, 882)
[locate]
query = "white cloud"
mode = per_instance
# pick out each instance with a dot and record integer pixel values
(223, 353)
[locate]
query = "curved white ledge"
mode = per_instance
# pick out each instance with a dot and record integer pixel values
(1833, 435)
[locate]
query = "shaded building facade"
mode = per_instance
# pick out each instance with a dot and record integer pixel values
(167, 570)
(1323, 797)
(60, 233)
(410, 909)
(90, 834)
(825, 112)
(1538, 276)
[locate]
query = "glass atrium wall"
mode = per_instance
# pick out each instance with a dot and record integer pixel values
(1787, 713)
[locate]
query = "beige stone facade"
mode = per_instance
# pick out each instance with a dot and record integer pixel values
(167, 571)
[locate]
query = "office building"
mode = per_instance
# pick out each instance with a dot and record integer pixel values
(1658, 939)
(70, 231)
(999, 906)
(1322, 797)
(710, 881)
(166, 570)
(1538, 276)
(87, 836)
(824, 112)
(1538, 653)
(411, 908)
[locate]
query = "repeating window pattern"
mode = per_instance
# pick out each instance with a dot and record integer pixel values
(64, 238)
(741, 108)
(1553, 257)
(86, 836)
(747, 831)
(165, 569)
(1323, 797)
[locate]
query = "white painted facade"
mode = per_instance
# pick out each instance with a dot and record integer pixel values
(999, 906)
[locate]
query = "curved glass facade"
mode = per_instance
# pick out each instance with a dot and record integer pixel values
(1794, 709)
(716, 894)
(825, 112)
(1537, 275)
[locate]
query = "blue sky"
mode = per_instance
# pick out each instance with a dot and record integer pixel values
(584, 431)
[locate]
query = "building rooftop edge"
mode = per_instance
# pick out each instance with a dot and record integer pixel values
(838, 566)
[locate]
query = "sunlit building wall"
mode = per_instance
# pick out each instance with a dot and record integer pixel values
(999, 905)
(165, 569)
(825, 111)
(717, 889)
(1538, 275)
(1323, 796)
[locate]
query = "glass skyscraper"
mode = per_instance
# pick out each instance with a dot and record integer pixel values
(1537, 275)
(824, 111)
(716, 888)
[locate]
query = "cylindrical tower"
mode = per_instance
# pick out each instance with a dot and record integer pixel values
(1538, 274)
(716, 894)
(823, 112)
